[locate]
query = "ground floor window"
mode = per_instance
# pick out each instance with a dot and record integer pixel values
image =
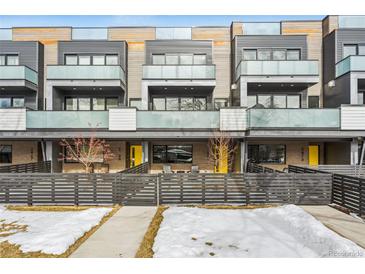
(90, 103)
(274, 154)
(173, 154)
(179, 103)
(9, 102)
(5, 154)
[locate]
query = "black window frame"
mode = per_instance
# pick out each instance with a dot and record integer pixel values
(179, 97)
(11, 154)
(11, 98)
(259, 161)
(6, 55)
(91, 102)
(166, 157)
(272, 52)
(91, 58)
(179, 58)
(277, 94)
(317, 101)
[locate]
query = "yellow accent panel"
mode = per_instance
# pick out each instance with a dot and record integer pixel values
(313, 155)
(135, 155)
(222, 166)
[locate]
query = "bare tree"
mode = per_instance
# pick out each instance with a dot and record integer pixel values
(221, 150)
(86, 151)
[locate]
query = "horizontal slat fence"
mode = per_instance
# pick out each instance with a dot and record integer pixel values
(38, 167)
(255, 168)
(140, 169)
(347, 191)
(246, 188)
(349, 170)
(153, 189)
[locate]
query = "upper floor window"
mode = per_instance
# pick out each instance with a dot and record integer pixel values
(179, 59)
(271, 54)
(179, 103)
(8, 102)
(9, 60)
(173, 33)
(88, 103)
(86, 60)
(274, 101)
(353, 49)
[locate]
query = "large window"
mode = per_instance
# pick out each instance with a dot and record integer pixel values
(9, 60)
(15, 102)
(179, 59)
(271, 54)
(274, 101)
(173, 154)
(179, 103)
(349, 50)
(5, 154)
(91, 59)
(88, 103)
(270, 154)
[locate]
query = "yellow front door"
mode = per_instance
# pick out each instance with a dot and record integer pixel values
(313, 155)
(222, 163)
(135, 153)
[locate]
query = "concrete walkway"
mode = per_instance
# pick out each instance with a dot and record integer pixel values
(342, 223)
(120, 236)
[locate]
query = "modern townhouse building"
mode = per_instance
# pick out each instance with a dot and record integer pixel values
(287, 92)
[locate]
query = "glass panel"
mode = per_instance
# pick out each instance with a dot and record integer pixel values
(187, 104)
(71, 60)
(186, 59)
(293, 54)
(6, 34)
(71, 103)
(84, 103)
(173, 33)
(249, 54)
(272, 154)
(5, 102)
(111, 59)
(351, 21)
(5, 154)
(251, 100)
(349, 50)
(172, 103)
(279, 101)
(135, 103)
(180, 154)
(159, 154)
(98, 103)
(261, 28)
(98, 60)
(89, 34)
(361, 49)
(220, 103)
(111, 103)
(2, 60)
(264, 101)
(84, 60)
(264, 54)
(172, 59)
(253, 153)
(293, 101)
(158, 104)
(12, 60)
(313, 101)
(278, 54)
(18, 102)
(158, 59)
(200, 103)
(200, 59)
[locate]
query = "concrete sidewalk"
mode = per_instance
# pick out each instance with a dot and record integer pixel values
(120, 236)
(342, 223)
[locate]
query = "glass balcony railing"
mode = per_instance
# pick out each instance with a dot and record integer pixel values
(179, 72)
(280, 68)
(350, 63)
(351, 21)
(67, 119)
(18, 73)
(294, 118)
(62, 72)
(177, 119)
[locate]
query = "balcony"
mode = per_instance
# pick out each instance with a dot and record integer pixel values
(67, 119)
(179, 72)
(277, 68)
(350, 63)
(18, 73)
(62, 72)
(149, 120)
(294, 118)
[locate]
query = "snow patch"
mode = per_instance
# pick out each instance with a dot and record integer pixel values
(50, 232)
(285, 231)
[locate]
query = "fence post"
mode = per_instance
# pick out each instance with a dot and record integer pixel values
(7, 194)
(157, 189)
(181, 188)
(342, 193)
(203, 189)
(29, 193)
(225, 189)
(361, 192)
(94, 183)
(247, 183)
(53, 189)
(76, 187)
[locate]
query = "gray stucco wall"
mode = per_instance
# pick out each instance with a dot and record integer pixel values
(181, 46)
(102, 47)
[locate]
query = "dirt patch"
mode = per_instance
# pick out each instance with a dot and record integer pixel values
(8, 250)
(145, 248)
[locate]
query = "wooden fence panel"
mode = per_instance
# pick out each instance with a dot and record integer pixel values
(38, 167)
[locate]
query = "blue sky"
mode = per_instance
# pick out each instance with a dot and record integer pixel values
(7, 21)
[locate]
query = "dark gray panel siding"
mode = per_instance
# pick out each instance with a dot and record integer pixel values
(348, 36)
(329, 58)
(27, 51)
(340, 94)
(269, 41)
(183, 46)
(102, 47)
